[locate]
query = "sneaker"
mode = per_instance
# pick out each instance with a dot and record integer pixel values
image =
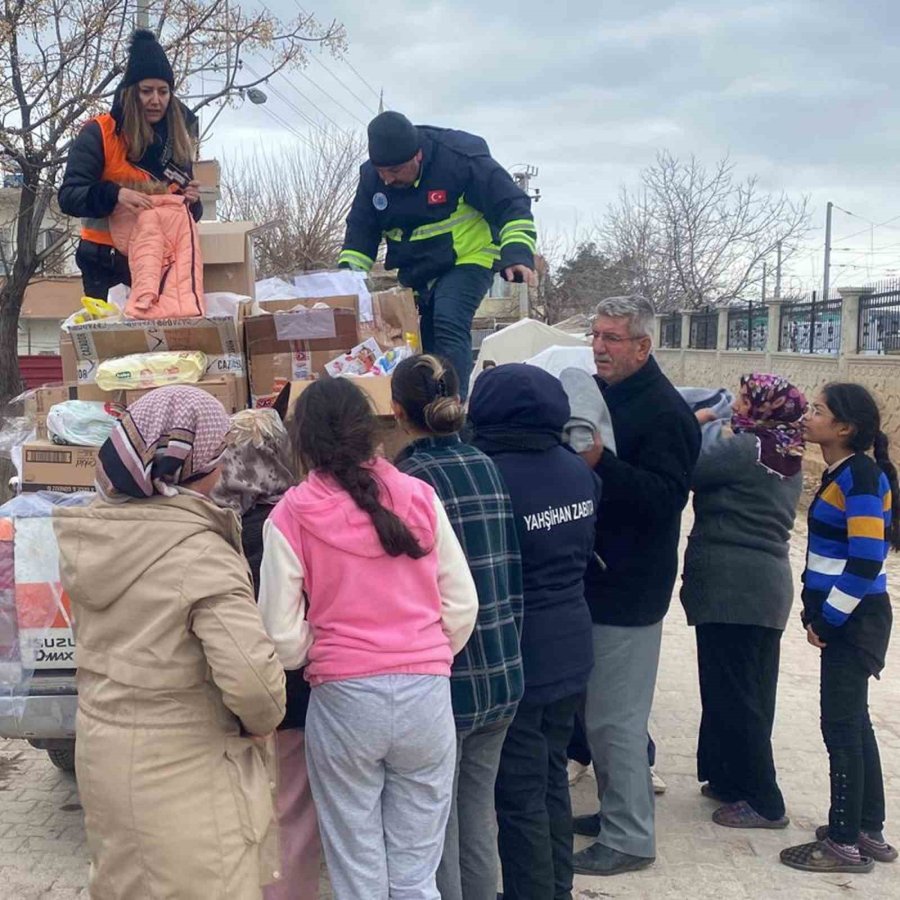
(659, 786)
(577, 771)
(827, 856)
(879, 850)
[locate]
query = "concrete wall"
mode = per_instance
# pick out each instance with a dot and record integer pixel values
(723, 368)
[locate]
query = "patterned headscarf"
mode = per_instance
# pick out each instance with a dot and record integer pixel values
(170, 437)
(776, 418)
(256, 465)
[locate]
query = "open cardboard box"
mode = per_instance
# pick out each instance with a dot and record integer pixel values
(274, 363)
(227, 251)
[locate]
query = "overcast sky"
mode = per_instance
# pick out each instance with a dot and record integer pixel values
(802, 93)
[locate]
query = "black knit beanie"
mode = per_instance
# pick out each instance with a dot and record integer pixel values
(393, 139)
(147, 59)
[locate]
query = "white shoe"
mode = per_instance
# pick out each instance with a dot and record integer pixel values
(577, 771)
(659, 786)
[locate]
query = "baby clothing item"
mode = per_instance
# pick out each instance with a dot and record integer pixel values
(163, 250)
(589, 413)
(718, 400)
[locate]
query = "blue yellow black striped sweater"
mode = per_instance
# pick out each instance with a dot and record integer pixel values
(845, 582)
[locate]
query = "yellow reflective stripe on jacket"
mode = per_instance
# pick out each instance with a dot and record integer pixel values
(356, 259)
(394, 234)
(517, 225)
(464, 213)
(520, 237)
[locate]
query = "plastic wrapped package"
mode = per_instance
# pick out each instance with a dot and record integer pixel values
(92, 309)
(151, 370)
(81, 423)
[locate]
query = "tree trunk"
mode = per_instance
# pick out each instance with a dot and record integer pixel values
(10, 303)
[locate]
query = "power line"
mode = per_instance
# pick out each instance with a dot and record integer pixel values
(333, 100)
(342, 83)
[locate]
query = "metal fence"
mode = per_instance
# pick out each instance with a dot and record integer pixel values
(879, 321)
(748, 328)
(704, 330)
(812, 326)
(670, 332)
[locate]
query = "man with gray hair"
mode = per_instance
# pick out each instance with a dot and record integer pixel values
(645, 488)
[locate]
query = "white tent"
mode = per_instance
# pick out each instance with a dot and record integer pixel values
(521, 341)
(554, 359)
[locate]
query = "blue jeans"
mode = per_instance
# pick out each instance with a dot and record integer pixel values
(446, 310)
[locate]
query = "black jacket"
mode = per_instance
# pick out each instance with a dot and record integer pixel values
(84, 194)
(645, 488)
(554, 497)
(298, 691)
(459, 179)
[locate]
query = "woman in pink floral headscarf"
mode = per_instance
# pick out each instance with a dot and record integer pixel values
(737, 590)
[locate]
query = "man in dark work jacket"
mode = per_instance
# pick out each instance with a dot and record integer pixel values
(646, 485)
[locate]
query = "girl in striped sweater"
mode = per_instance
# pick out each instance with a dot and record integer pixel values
(853, 523)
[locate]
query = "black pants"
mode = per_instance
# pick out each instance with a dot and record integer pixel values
(101, 268)
(534, 813)
(857, 787)
(738, 682)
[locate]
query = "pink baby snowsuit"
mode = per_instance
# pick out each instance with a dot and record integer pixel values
(163, 251)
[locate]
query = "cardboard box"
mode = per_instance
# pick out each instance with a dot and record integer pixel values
(396, 319)
(227, 250)
(230, 391)
(376, 387)
(219, 337)
(49, 467)
(274, 363)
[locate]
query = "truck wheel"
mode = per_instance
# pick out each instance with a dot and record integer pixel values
(63, 757)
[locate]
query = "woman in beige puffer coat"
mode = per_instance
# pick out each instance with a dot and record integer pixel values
(176, 676)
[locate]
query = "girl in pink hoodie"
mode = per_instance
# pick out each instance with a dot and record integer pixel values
(364, 582)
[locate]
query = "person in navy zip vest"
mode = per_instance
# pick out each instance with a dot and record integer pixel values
(518, 413)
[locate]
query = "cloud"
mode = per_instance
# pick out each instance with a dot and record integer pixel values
(801, 92)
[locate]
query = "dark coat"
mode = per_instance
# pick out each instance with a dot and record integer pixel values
(646, 483)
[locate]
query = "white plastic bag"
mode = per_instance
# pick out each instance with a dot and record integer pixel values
(81, 423)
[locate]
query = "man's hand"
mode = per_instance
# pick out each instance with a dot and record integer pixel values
(705, 416)
(592, 456)
(134, 201)
(520, 274)
(814, 639)
(192, 192)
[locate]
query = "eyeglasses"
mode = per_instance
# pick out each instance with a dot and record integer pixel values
(614, 339)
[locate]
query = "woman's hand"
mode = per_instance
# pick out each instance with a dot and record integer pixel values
(814, 639)
(192, 192)
(133, 201)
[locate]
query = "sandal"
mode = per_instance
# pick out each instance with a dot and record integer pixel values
(880, 851)
(743, 815)
(825, 856)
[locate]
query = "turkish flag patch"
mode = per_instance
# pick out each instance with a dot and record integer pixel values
(436, 198)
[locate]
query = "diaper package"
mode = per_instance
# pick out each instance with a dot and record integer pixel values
(151, 370)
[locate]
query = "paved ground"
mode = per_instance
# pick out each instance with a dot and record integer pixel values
(42, 849)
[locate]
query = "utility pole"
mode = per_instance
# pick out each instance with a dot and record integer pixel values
(765, 274)
(826, 278)
(523, 178)
(142, 16)
(778, 272)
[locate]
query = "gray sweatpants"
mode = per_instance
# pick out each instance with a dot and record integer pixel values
(381, 755)
(470, 868)
(616, 716)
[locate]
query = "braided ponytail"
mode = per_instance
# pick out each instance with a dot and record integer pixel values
(334, 431)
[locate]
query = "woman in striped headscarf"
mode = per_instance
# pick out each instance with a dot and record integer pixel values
(176, 676)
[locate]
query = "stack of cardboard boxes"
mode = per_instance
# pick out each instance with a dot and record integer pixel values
(252, 359)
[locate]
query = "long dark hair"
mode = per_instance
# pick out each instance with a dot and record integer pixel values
(334, 431)
(853, 405)
(427, 388)
(138, 133)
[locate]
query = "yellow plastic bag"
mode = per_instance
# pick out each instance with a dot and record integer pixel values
(92, 308)
(151, 370)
